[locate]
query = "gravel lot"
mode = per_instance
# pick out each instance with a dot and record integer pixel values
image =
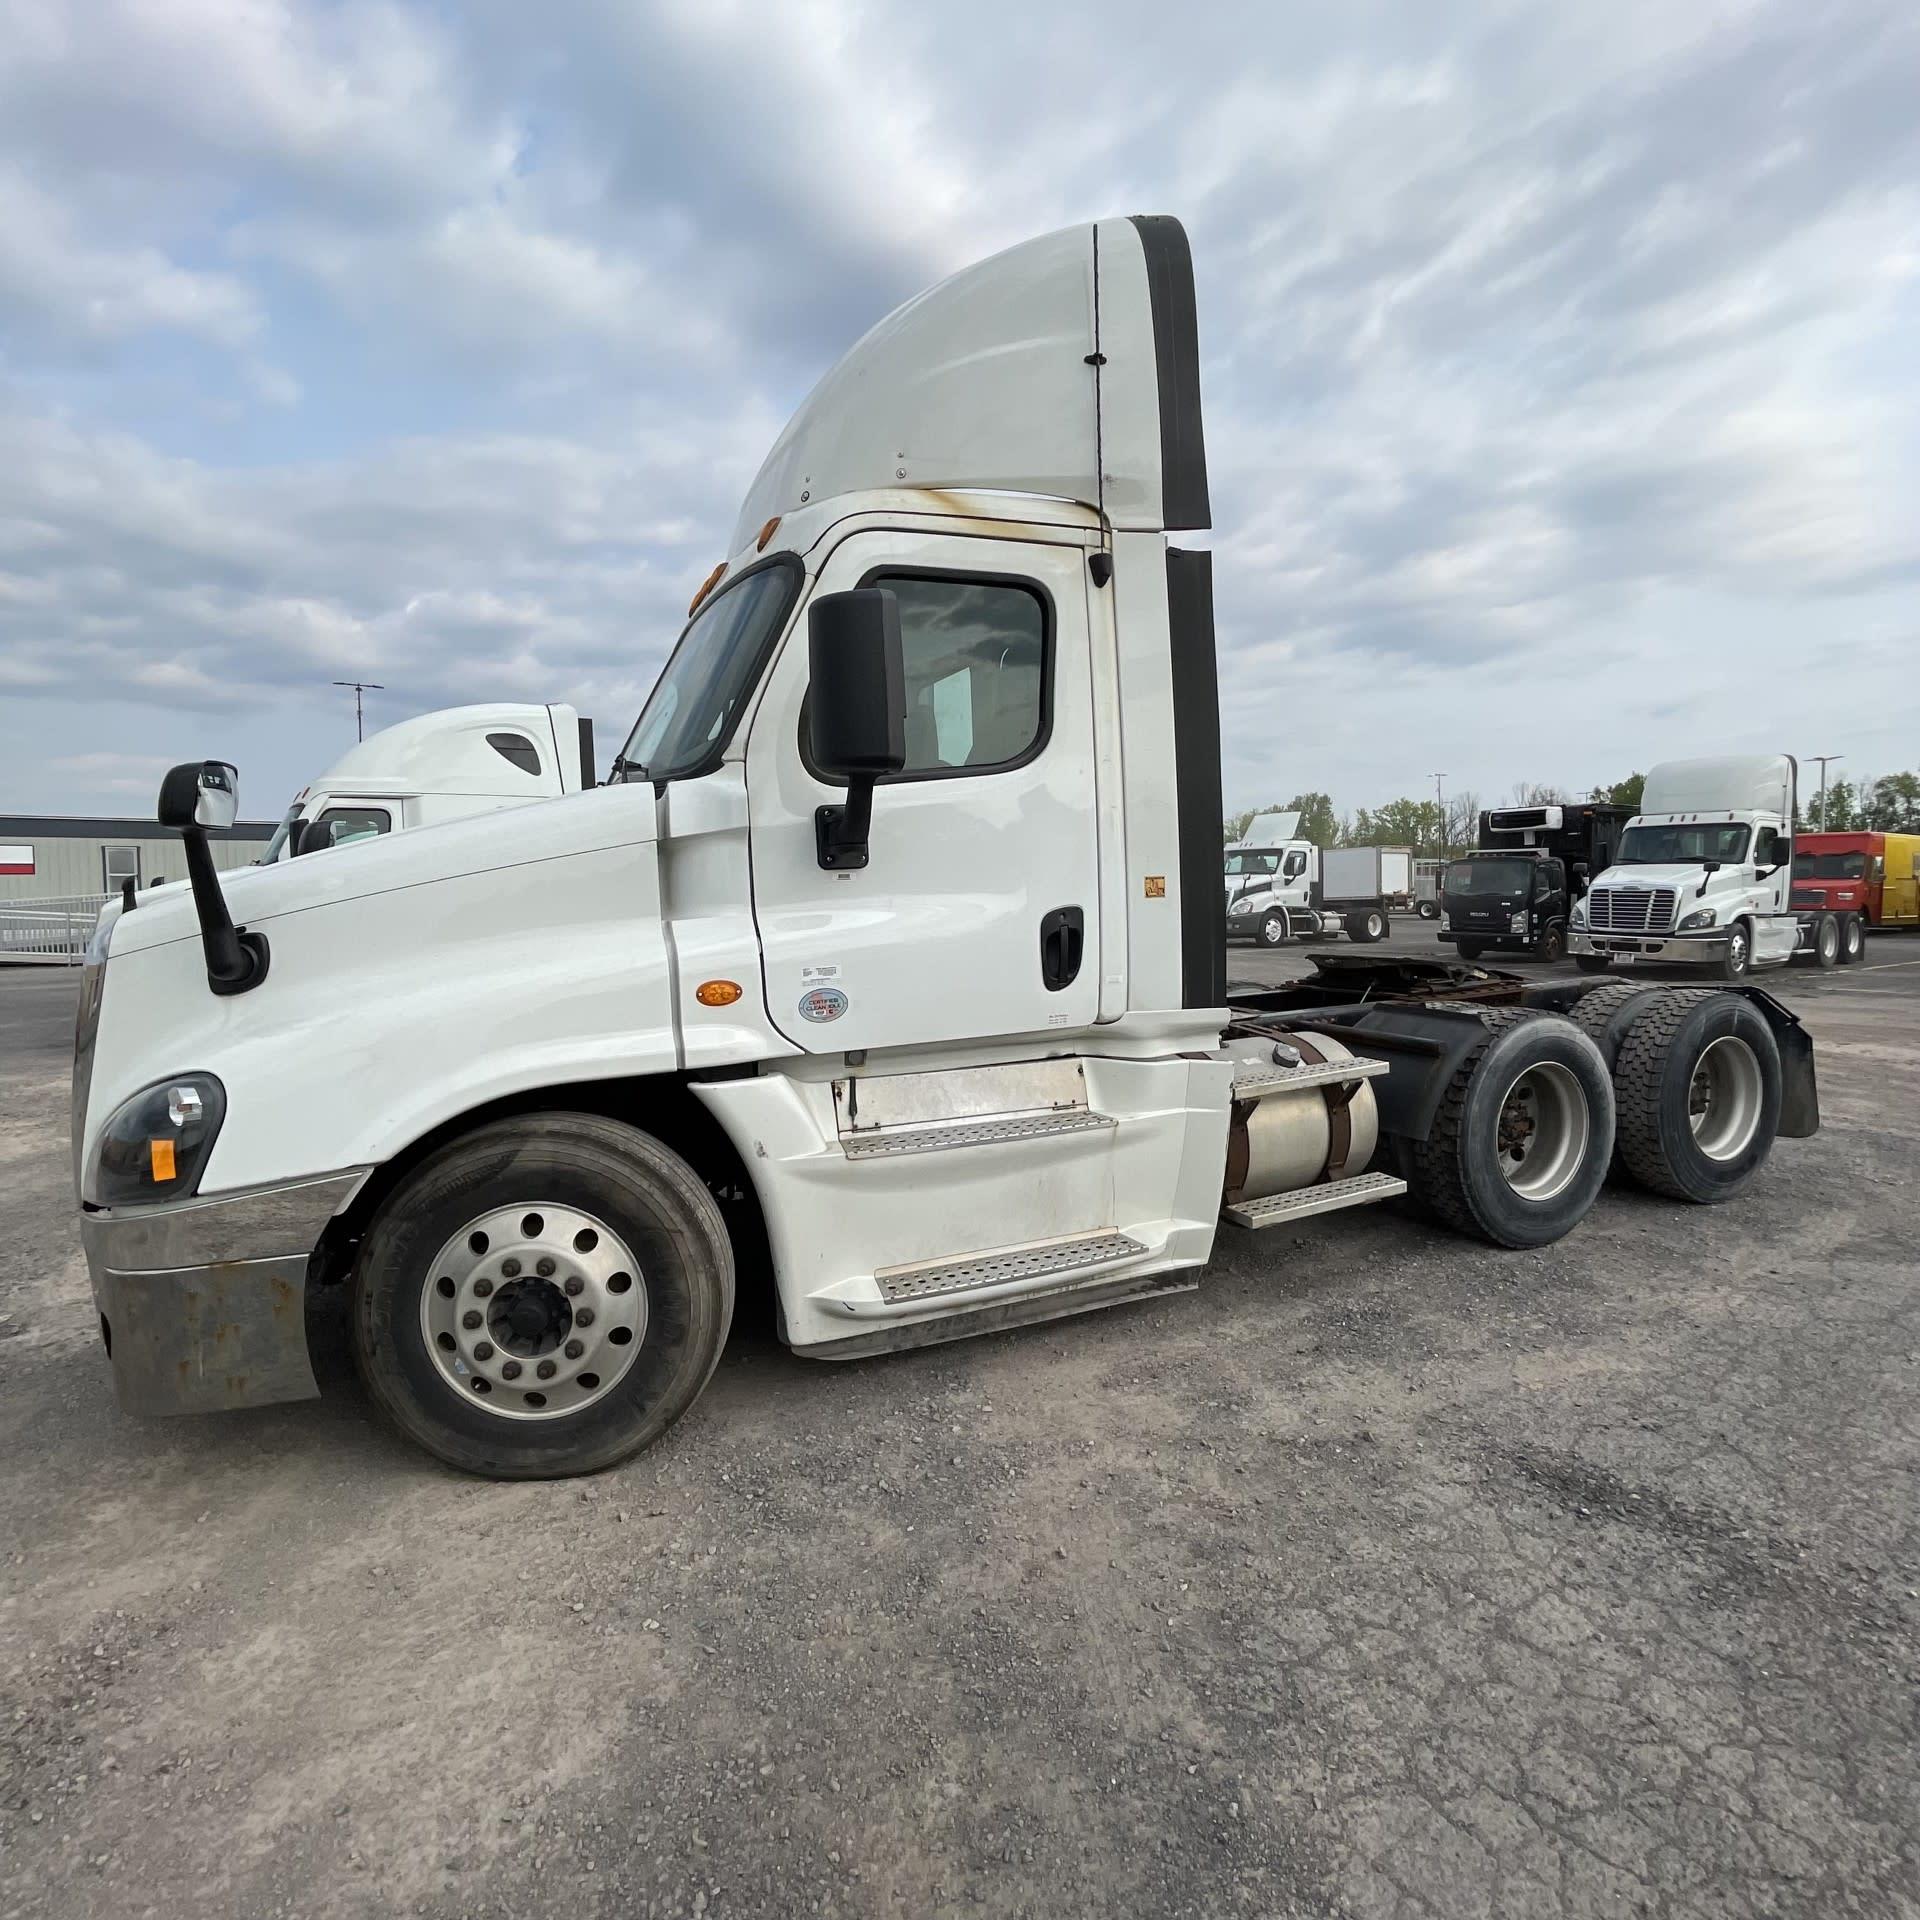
(1386, 1575)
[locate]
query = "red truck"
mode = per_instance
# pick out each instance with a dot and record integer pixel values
(1844, 883)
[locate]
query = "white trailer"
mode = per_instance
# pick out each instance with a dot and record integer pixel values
(894, 967)
(1703, 876)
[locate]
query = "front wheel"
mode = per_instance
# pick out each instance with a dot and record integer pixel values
(1592, 962)
(543, 1297)
(1553, 946)
(1738, 957)
(1273, 930)
(1470, 949)
(1853, 939)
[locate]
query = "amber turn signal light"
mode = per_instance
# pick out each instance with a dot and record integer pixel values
(717, 993)
(160, 1159)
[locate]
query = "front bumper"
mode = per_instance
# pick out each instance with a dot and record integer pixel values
(203, 1304)
(1676, 949)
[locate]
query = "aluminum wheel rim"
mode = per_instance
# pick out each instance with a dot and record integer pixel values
(1543, 1129)
(1724, 1098)
(534, 1311)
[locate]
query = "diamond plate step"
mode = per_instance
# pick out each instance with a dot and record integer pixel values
(1082, 1254)
(1303, 1201)
(1252, 1079)
(883, 1143)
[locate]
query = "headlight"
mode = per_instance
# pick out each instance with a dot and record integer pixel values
(1704, 918)
(156, 1145)
(1579, 913)
(1518, 924)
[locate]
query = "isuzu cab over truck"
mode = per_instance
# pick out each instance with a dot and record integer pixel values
(1844, 883)
(1280, 888)
(436, 767)
(893, 968)
(1516, 892)
(1702, 874)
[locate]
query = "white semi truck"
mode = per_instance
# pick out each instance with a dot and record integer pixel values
(1703, 875)
(893, 967)
(439, 766)
(1281, 888)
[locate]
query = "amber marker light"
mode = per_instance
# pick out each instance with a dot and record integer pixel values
(160, 1159)
(766, 534)
(717, 993)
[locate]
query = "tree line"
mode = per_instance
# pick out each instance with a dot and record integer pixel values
(1450, 824)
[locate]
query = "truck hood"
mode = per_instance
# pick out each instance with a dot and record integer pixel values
(1675, 877)
(552, 829)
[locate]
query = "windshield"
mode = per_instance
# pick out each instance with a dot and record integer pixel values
(1487, 876)
(280, 833)
(1724, 841)
(1238, 863)
(1829, 866)
(693, 705)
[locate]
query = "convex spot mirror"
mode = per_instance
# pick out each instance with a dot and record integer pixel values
(857, 702)
(200, 793)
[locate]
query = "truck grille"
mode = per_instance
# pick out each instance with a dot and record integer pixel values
(1630, 909)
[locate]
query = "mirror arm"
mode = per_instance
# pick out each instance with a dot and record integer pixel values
(236, 960)
(840, 833)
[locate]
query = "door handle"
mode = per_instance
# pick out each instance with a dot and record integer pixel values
(1063, 935)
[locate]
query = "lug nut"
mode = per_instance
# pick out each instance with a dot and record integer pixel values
(546, 1369)
(481, 1288)
(509, 1267)
(511, 1370)
(583, 1317)
(484, 1351)
(575, 1284)
(544, 1266)
(575, 1348)
(470, 1319)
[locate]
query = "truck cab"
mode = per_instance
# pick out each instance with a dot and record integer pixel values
(1516, 892)
(1703, 873)
(436, 767)
(889, 972)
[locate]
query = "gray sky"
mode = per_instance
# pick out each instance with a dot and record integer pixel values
(1563, 402)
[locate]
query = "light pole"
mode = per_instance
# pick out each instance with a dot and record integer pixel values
(1440, 801)
(1823, 758)
(359, 687)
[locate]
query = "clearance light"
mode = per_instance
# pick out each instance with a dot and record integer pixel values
(717, 993)
(766, 534)
(706, 587)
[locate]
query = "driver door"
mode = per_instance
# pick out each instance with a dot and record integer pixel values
(978, 912)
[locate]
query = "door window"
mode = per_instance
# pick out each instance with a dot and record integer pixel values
(120, 864)
(976, 659)
(355, 823)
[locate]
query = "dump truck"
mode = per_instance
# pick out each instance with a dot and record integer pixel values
(889, 974)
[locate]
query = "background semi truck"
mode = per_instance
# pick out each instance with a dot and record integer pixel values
(1701, 877)
(1515, 894)
(893, 968)
(440, 766)
(1844, 883)
(1280, 887)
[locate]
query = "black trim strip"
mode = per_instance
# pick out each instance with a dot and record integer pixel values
(27, 826)
(1196, 773)
(1176, 351)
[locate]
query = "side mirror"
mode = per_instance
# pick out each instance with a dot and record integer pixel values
(193, 797)
(203, 793)
(856, 711)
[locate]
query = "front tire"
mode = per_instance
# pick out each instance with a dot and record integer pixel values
(1553, 945)
(542, 1297)
(1592, 962)
(1699, 1086)
(1470, 949)
(1274, 930)
(1738, 957)
(1523, 1135)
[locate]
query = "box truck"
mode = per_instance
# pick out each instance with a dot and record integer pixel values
(1281, 888)
(892, 969)
(1516, 893)
(1844, 883)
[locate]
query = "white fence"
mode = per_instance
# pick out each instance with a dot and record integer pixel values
(53, 932)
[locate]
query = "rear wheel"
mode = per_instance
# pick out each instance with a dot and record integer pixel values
(1273, 930)
(1698, 1083)
(1429, 911)
(543, 1297)
(1853, 939)
(1520, 1144)
(1826, 943)
(1368, 925)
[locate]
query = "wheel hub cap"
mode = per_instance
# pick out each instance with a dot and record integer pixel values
(1724, 1098)
(534, 1311)
(1541, 1138)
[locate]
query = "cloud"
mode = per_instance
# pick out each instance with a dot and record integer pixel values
(1558, 363)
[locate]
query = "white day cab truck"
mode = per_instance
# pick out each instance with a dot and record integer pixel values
(892, 966)
(436, 767)
(1281, 888)
(1703, 875)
